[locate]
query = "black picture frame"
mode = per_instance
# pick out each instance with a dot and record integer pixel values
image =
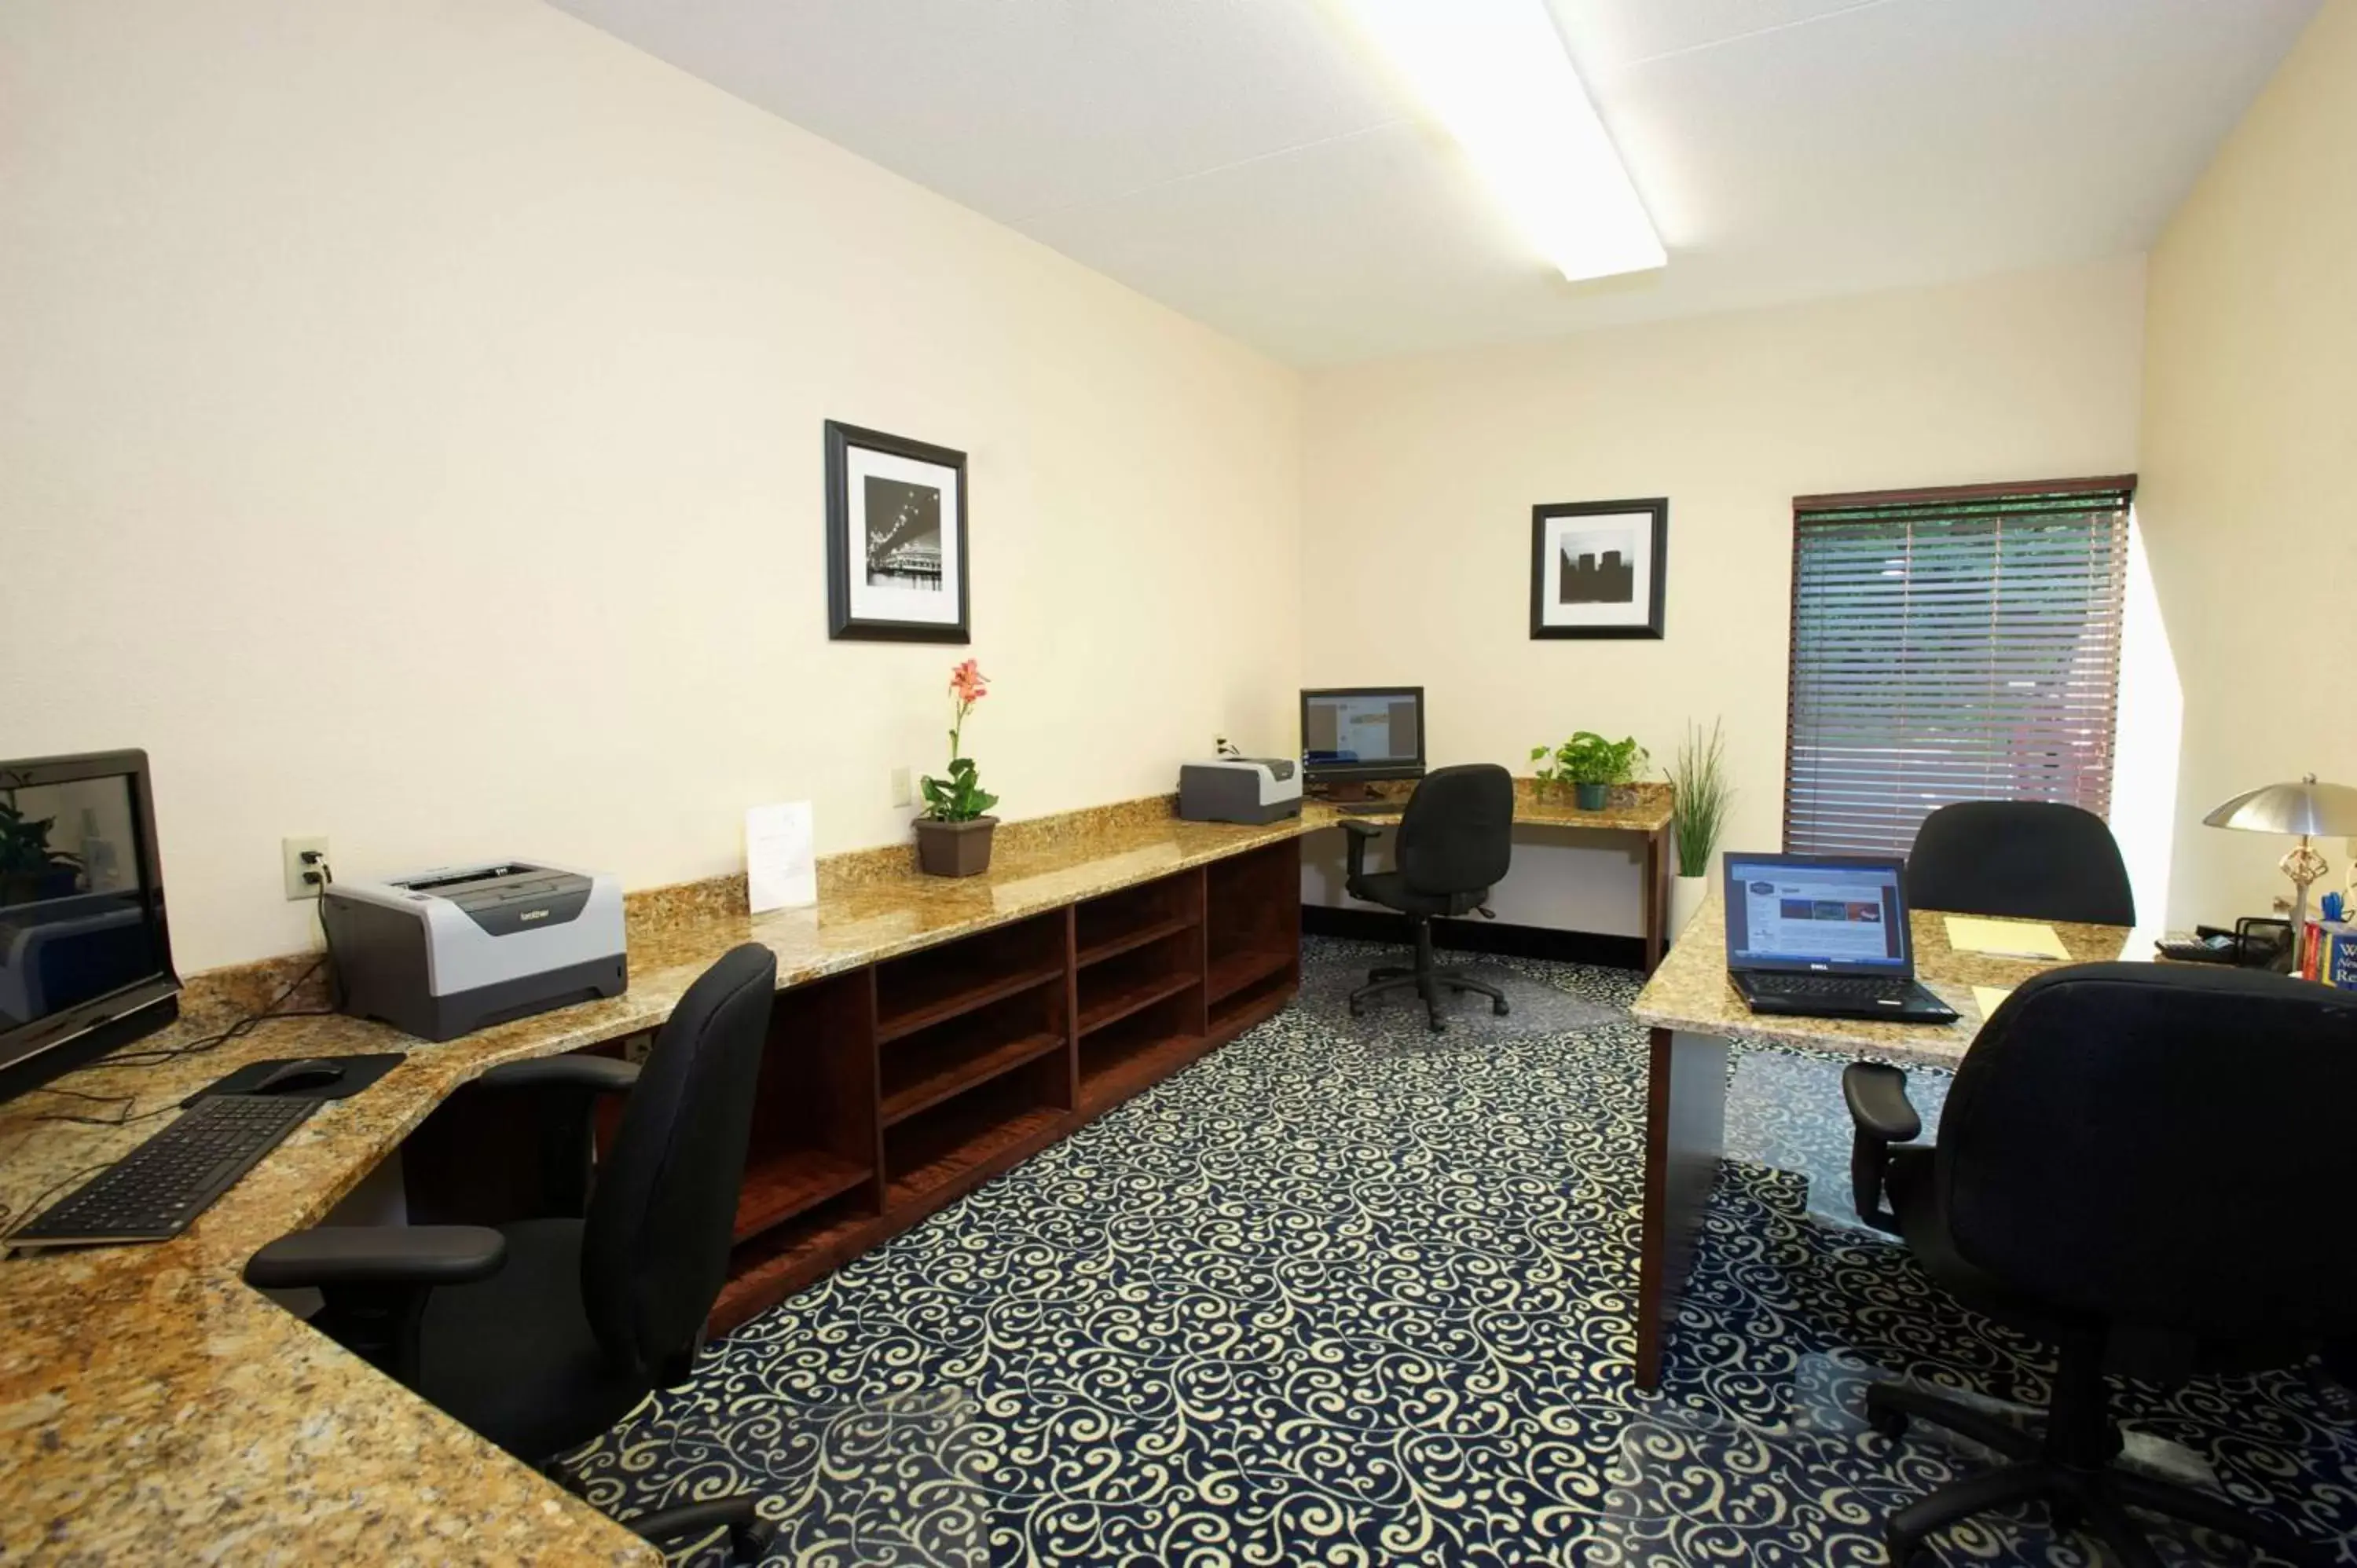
(844, 623)
(1656, 532)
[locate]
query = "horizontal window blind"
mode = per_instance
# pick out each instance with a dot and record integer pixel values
(1959, 645)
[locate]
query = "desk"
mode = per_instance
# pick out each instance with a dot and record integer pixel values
(1693, 1011)
(1642, 812)
(155, 1408)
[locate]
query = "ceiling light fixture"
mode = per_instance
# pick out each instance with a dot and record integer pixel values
(1496, 73)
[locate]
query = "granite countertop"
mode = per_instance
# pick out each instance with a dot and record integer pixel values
(1690, 991)
(153, 1407)
(1632, 809)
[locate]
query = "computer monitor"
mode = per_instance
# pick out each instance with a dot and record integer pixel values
(85, 961)
(1353, 736)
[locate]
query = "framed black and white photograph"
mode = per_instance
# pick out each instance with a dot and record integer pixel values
(1597, 568)
(895, 538)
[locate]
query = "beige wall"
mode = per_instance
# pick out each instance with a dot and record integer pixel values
(1420, 473)
(2250, 423)
(410, 431)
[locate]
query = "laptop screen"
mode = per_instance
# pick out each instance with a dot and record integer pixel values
(1828, 913)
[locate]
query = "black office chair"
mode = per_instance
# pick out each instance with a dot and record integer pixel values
(2031, 860)
(1455, 840)
(544, 1333)
(2148, 1168)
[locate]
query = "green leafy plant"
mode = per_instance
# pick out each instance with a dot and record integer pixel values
(1589, 758)
(960, 798)
(26, 861)
(1699, 783)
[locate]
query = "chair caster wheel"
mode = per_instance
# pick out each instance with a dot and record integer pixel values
(1498, 1008)
(1902, 1550)
(1358, 1008)
(2065, 1514)
(1437, 1025)
(1890, 1423)
(752, 1543)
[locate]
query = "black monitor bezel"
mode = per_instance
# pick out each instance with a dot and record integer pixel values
(1372, 772)
(35, 1052)
(1904, 969)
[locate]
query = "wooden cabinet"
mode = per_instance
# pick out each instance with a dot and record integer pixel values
(893, 1089)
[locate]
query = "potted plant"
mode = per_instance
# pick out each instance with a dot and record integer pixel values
(1700, 792)
(29, 869)
(954, 833)
(1592, 765)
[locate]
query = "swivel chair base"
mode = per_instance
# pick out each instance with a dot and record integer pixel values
(2070, 1468)
(1428, 981)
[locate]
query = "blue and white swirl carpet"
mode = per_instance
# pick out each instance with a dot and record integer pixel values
(1345, 1294)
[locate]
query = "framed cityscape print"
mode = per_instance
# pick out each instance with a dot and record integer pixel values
(1597, 568)
(896, 556)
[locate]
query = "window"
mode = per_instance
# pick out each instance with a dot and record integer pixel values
(1950, 644)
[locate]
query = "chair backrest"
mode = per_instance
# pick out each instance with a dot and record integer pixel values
(655, 1250)
(2034, 860)
(1457, 833)
(2162, 1145)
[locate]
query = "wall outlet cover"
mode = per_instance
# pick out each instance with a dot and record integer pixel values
(290, 854)
(904, 787)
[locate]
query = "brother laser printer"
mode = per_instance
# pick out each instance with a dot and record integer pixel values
(444, 952)
(1240, 790)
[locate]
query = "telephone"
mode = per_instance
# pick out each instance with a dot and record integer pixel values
(2255, 943)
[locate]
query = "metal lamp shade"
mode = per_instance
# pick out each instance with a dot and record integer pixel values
(2327, 811)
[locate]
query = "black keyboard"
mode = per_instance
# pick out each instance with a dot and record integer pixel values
(1369, 807)
(1861, 987)
(152, 1193)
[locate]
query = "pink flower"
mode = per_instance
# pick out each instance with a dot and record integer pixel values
(968, 683)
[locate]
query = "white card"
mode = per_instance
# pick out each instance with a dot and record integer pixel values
(780, 856)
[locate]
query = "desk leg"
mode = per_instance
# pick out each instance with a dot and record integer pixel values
(1686, 1123)
(1658, 856)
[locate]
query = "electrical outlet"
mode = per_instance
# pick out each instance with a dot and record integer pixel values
(904, 789)
(290, 853)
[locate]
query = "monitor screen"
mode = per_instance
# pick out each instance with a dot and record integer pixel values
(80, 912)
(1371, 732)
(1798, 912)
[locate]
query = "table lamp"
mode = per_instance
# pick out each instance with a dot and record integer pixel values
(2308, 808)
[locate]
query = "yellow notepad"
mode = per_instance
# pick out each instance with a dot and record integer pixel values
(2006, 938)
(1987, 997)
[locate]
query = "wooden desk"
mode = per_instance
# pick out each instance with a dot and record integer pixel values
(1644, 812)
(1694, 1010)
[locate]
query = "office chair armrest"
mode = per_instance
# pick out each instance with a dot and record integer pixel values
(1359, 834)
(1876, 1096)
(749, 1535)
(378, 1254)
(374, 1281)
(599, 1075)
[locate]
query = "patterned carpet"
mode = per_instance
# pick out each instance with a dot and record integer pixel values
(1345, 1293)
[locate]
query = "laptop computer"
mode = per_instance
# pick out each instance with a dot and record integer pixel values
(1824, 935)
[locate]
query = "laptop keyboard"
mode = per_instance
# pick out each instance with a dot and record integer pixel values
(1857, 987)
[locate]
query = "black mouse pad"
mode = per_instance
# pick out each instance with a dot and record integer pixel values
(359, 1073)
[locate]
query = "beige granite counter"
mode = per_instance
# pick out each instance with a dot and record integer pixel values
(1690, 991)
(153, 1407)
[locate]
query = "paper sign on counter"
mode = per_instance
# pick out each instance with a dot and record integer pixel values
(1987, 997)
(2005, 938)
(780, 856)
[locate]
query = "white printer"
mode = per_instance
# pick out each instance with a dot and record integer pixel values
(444, 952)
(1240, 790)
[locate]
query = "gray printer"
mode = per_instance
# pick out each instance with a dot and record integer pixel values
(1240, 790)
(446, 952)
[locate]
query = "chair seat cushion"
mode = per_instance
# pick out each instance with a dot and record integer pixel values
(513, 1356)
(1390, 889)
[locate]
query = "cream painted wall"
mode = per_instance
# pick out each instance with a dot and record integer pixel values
(410, 431)
(1420, 473)
(2250, 421)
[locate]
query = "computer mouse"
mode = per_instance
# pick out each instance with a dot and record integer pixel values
(312, 1072)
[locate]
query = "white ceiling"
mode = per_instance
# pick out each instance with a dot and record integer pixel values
(1246, 163)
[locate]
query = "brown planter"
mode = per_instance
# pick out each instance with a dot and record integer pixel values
(954, 849)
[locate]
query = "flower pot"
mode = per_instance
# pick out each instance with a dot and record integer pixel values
(1592, 797)
(953, 849)
(1686, 894)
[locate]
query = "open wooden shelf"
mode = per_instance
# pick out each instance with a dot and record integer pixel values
(984, 1139)
(1250, 1004)
(766, 1268)
(954, 1074)
(1114, 946)
(1133, 998)
(785, 1182)
(959, 992)
(1233, 972)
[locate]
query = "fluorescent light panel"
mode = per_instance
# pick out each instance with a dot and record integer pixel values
(1495, 73)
